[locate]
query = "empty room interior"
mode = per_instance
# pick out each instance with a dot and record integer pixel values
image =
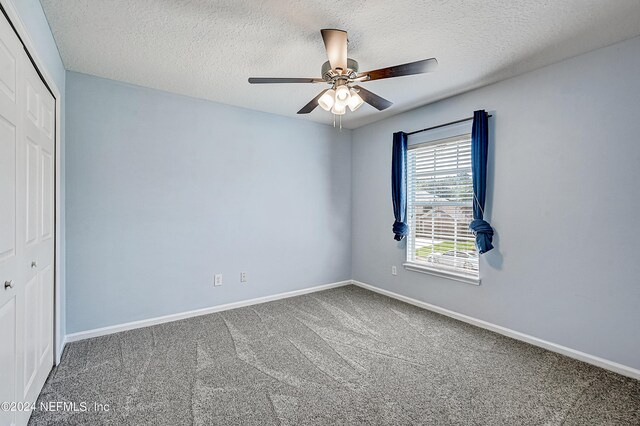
(293, 212)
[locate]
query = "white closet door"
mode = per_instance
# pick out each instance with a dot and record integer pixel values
(26, 227)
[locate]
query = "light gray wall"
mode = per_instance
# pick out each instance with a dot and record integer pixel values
(564, 170)
(34, 20)
(164, 191)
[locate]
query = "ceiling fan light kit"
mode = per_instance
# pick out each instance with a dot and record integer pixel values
(337, 100)
(342, 74)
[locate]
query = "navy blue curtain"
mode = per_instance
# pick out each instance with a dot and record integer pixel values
(479, 147)
(399, 185)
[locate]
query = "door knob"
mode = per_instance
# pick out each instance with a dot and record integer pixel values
(8, 284)
(34, 264)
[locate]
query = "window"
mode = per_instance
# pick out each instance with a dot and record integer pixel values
(439, 202)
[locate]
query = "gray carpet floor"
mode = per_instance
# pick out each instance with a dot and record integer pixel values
(341, 356)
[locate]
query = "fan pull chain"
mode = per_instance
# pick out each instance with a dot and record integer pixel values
(339, 121)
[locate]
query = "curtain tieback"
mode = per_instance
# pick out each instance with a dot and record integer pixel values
(400, 229)
(484, 231)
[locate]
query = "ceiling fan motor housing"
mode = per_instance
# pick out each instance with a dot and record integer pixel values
(329, 75)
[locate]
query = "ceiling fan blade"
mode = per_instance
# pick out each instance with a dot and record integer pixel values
(372, 99)
(267, 80)
(418, 67)
(311, 105)
(335, 42)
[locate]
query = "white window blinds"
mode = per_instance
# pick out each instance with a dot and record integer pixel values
(440, 194)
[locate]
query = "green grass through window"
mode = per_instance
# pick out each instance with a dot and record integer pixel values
(444, 247)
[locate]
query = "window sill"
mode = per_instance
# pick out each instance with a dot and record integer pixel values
(416, 267)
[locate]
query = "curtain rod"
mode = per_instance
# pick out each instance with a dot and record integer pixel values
(443, 125)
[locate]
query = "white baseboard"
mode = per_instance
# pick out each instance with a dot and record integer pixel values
(81, 335)
(553, 347)
(60, 350)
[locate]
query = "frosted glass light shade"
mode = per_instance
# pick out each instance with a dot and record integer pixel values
(327, 100)
(339, 108)
(355, 101)
(342, 93)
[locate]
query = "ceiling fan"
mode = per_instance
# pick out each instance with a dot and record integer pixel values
(342, 74)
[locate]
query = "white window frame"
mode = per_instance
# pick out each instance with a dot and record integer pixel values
(451, 273)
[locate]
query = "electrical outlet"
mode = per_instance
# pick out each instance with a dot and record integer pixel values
(243, 277)
(217, 280)
(394, 270)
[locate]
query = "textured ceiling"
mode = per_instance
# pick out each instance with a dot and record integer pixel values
(208, 49)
